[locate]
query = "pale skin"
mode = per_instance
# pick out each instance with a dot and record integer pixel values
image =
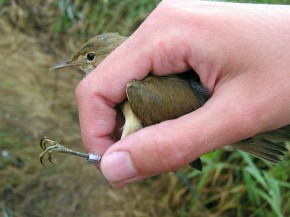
(241, 53)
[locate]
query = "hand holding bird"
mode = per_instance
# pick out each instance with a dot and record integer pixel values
(249, 89)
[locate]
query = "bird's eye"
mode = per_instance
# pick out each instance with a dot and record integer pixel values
(90, 56)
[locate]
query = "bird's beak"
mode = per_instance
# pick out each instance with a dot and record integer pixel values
(64, 64)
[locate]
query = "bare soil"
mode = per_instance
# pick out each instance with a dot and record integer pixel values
(36, 102)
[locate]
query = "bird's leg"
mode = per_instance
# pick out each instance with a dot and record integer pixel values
(56, 147)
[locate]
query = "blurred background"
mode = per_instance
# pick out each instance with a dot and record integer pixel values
(35, 102)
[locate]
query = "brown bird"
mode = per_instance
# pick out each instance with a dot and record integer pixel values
(156, 99)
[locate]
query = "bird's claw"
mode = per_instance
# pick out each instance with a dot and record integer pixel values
(55, 147)
(43, 143)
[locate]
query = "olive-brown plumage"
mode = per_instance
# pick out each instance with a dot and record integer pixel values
(156, 99)
(152, 106)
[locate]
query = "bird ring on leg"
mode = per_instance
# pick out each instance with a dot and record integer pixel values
(56, 147)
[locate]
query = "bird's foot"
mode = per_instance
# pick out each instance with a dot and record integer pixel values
(56, 147)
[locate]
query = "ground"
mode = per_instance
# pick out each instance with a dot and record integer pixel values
(36, 102)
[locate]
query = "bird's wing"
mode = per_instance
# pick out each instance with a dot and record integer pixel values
(156, 99)
(269, 146)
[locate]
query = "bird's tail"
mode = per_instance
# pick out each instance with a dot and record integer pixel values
(269, 146)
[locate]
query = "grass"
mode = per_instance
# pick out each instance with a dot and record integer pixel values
(35, 103)
(244, 186)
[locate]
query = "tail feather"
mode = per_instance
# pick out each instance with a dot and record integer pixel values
(262, 147)
(279, 135)
(197, 164)
(259, 153)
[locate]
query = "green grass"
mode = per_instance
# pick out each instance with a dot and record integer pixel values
(238, 185)
(124, 16)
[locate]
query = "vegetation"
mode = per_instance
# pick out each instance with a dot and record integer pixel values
(34, 102)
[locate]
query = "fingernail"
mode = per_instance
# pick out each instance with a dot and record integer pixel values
(118, 167)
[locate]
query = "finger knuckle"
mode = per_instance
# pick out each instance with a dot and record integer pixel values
(81, 89)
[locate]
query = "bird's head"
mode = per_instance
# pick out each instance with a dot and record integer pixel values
(93, 52)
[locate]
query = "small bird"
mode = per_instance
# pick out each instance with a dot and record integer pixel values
(160, 98)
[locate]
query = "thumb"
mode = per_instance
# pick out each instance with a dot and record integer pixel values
(171, 144)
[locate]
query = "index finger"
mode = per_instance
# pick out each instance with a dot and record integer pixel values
(99, 92)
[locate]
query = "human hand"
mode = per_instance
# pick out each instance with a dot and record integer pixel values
(240, 52)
